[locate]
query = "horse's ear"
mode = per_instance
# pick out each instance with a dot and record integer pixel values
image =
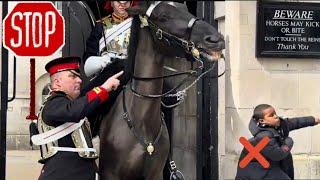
(138, 9)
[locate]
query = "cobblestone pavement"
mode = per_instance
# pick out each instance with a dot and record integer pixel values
(22, 165)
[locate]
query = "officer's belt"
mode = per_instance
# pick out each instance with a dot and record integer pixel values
(56, 133)
(118, 29)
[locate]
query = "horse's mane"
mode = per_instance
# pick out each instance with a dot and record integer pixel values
(133, 44)
(104, 109)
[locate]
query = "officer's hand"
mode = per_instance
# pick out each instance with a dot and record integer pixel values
(113, 82)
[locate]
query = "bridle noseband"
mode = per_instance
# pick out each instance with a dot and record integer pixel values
(187, 45)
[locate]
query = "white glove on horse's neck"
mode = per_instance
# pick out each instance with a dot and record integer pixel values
(95, 64)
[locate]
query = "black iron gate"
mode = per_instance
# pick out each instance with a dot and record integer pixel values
(207, 111)
(4, 101)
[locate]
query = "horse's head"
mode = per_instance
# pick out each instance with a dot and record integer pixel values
(174, 27)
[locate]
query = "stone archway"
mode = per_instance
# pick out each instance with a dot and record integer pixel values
(42, 90)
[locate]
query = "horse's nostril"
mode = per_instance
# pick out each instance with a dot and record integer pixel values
(210, 39)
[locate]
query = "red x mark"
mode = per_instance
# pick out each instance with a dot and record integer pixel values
(254, 152)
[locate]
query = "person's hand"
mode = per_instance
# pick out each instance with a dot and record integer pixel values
(287, 144)
(113, 82)
(288, 141)
(316, 120)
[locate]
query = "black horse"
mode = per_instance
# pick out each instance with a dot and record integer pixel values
(134, 141)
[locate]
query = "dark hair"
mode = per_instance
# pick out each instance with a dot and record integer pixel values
(258, 111)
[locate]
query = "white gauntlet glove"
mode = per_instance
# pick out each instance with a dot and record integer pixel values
(95, 64)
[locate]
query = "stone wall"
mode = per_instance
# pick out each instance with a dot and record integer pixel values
(18, 109)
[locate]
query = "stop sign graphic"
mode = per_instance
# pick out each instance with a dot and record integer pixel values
(34, 29)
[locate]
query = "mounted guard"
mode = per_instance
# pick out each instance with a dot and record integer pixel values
(110, 38)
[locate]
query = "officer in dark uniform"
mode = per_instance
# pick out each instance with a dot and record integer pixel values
(65, 139)
(266, 123)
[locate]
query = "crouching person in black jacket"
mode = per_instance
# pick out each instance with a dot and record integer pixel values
(265, 122)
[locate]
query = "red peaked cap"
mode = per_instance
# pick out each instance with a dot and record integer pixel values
(109, 8)
(63, 64)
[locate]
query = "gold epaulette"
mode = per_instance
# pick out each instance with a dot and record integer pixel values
(107, 21)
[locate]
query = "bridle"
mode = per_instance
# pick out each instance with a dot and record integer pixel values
(189, 47)
(172, 40)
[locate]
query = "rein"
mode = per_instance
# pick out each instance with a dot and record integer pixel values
(181, 93)
(183, 81)
(190, 72)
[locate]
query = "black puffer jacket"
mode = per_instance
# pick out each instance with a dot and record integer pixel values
(276, 152)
